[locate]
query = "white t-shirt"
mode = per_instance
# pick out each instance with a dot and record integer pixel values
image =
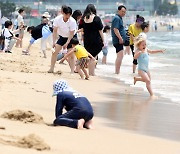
(106, 39)
(20, 19)
(64, 27)
(7, 35)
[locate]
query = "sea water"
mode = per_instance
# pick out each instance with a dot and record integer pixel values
(164, 68)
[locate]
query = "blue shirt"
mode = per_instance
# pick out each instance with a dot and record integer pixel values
(117, 22)
(71, 100)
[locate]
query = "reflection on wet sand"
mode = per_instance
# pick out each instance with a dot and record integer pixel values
(131, 111)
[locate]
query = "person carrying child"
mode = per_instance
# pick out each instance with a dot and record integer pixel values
(82, 57)
(142, 56)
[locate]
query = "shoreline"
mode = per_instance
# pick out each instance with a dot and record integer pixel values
(26, 85)
(138, 111)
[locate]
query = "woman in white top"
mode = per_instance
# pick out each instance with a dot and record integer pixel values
(20, 22)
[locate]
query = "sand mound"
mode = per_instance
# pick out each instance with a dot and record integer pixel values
(31, 141)
(25, 116)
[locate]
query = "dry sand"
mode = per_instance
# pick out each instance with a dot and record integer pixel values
(25, 85)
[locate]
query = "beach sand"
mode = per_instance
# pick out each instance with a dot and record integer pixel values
(26, 86)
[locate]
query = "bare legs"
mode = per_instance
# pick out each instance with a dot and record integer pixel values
(118, 61)
(19, 42)
(54, 57)
(91, 67)
(71, 61)
(127, 50)
(44, 53)
(104, 60)
(134, 68)
(145, 77)
(82, 72)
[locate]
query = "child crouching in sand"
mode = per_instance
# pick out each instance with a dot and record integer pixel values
(82, 58)
(142, 56)
(79, 112)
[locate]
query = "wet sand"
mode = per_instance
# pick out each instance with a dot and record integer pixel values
(122, 113)
(131, 109)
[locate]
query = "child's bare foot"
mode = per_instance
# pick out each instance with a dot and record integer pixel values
(134, 80)
(50, 71)
(87, 78)
(152, 97)
(80, 124)
(89, 125)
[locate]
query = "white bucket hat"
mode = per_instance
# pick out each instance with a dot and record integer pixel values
(46, 14)
(59, 86)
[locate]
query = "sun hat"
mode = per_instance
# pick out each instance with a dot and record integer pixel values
(46, 14)
(59, 86)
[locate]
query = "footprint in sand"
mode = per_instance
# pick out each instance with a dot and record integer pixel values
(31, 141)
(1, 127)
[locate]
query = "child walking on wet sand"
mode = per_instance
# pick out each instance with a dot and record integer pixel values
(82, 58)
(142, 56)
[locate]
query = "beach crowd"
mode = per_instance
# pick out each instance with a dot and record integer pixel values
(78, 38)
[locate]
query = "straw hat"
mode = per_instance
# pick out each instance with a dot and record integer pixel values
(46, 14)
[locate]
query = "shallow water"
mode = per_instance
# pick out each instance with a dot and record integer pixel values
(132, 110)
